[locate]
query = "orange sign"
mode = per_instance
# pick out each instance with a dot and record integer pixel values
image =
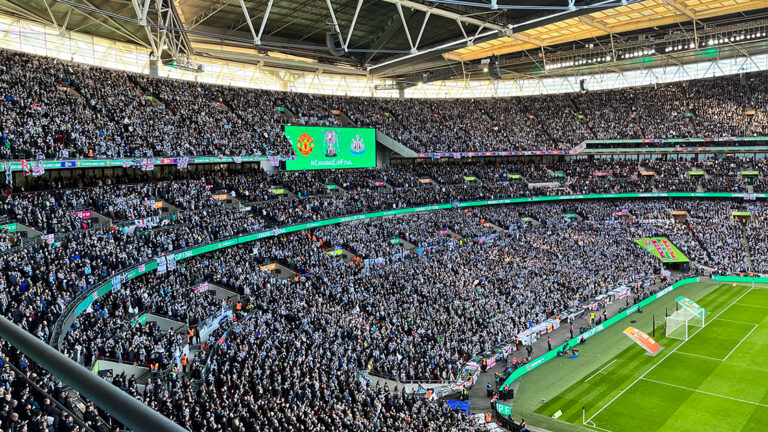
(643, 340)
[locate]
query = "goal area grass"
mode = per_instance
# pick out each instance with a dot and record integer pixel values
(716, 380)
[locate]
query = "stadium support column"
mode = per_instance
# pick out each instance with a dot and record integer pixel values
(154, 70)
(116, 402)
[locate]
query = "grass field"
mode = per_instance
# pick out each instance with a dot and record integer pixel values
(716, 380)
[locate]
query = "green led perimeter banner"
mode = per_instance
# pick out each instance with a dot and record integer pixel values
(662, 249)
(318, 147)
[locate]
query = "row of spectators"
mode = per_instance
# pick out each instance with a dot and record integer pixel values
(65, 110)
(135, 197)
(33, 400)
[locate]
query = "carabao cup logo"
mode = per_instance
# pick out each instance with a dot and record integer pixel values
(306, 144)
(358, 146)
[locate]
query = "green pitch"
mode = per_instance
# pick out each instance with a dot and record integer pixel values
(716, 380)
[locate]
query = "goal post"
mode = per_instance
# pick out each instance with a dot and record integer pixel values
(678, 324)
(691, 306)
(687, 320)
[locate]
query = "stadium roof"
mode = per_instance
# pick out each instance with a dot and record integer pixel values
(414, 41)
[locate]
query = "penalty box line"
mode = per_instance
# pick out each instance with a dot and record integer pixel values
(662, 360)
(705, 392)
(740, 342)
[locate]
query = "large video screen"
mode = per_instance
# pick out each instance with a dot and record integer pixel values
(319, 147)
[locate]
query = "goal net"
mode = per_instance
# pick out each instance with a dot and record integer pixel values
(683, 324)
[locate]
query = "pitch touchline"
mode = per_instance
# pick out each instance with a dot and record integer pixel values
(704, 392)
(601, 370)
(665, 357)
(742, 340)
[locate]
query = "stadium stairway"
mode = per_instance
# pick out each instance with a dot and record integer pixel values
(394, 145)
(381, 137)
(692, 123)
(699, 242)
(486, 223)
(406, 244)
(745, 242)
(344, 119)
(582, 114)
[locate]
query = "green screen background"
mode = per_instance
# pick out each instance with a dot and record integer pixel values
(317, 159)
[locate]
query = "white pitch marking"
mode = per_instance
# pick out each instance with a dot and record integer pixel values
(662, 360)
(742, 340)
(697, 355)
(601, 370)
(705, 392)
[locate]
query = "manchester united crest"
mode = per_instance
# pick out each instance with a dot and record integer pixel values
(358, 146)
(306, 144)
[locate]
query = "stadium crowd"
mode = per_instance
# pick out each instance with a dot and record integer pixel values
(55, 109)
(409, 315)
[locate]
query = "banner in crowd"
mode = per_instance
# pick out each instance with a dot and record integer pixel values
(117, 282)
(180, 162)
(662, 249)
(148, 222)
(458, 155)
(10, 227)
(201, 288)
(318, 147)
(141, 319)
(161, 268)
(38, 169)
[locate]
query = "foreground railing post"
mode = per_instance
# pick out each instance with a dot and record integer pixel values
(111, 399)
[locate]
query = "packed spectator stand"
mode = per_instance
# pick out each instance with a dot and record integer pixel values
(455, 241)
(54, 109)
(424, 292)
